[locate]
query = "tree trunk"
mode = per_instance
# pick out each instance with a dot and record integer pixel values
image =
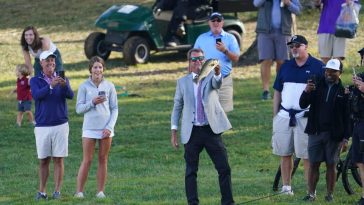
(250, 56)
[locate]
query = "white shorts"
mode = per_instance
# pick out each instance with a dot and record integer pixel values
(287, 140)
(52, 141)
(94, 134)
(331, 46)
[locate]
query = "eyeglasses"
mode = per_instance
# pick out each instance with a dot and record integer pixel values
(295, 45)
(218, 20)
(198, 58)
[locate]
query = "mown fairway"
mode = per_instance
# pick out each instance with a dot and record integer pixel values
(143, 167)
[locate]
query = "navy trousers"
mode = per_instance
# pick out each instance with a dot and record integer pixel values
(203, 137)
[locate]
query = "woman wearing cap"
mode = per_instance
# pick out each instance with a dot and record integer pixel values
(97, 100)
(33, 44)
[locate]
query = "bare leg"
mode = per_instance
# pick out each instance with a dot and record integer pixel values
(105, 145)
(265, 74)
(313, 177)
(306, 167)
(58, 172)
(30, 116)
(278, 65)
(330, 178)
(43, 173)
(325, 59)
(19, 118)
(361, 169)
(88, 152)
(286, 170)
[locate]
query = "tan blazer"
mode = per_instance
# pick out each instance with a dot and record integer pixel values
(184, 103)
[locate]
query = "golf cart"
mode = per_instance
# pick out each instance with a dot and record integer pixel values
(136, 30)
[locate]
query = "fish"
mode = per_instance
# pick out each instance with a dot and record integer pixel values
(206, 68)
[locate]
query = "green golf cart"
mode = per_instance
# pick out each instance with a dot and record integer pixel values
(136, 30)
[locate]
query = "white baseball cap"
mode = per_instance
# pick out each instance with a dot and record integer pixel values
(45, 54)
(334, 64)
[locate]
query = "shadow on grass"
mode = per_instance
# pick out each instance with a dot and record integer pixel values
(164, 57)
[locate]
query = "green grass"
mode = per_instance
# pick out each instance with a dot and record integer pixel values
(143, 167)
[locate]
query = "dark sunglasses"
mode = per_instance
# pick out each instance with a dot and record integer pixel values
(199, 58)
(295, 45)
(218, 20)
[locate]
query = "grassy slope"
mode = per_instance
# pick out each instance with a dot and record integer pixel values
(143, 169)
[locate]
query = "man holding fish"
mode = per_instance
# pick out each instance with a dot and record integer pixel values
(196, 101)
(223, 46)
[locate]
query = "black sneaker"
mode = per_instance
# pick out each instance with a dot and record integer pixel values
(56, 195)
(309, 197)
(329, 198)
(40, 196)
(266, 95)
(361, 201)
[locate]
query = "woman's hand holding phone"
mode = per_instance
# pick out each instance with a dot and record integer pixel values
(100, 98)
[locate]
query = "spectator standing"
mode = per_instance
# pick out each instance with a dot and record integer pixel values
(274, 29)
(327, 126)
(356, 101)
(289, 121)
(97, 100)
(23, 94)
(223, 46)
(199, 103)
(33, 45)
(51, 131)
(329, 45)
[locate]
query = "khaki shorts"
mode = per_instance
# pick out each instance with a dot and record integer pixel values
(52, 141)
(331, 46)
(226, 94)
(287, 140)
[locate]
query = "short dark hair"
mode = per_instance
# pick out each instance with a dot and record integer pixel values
(94, 60)
(193, 50)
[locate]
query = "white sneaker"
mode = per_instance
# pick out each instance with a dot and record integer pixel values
(79, 195)
(100, 195)
(285, 190)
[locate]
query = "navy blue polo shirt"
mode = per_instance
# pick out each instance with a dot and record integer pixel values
(291, 80)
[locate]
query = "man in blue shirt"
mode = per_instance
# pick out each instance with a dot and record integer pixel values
(289, 120)
(223, 46)
(274, 28)
(50, 92)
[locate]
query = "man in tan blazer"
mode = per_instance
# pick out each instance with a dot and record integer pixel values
(203, 121)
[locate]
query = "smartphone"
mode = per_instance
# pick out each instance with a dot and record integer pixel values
(218, 40)
(61, 74)
(102, 93)
(313, 78)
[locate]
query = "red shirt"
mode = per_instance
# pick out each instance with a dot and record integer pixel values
(23, 89)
